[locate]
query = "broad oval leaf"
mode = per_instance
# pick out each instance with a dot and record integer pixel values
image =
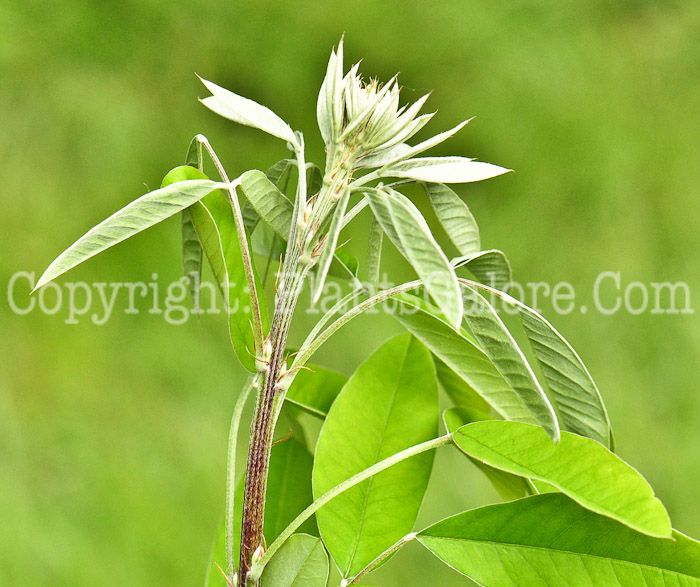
(146, 211)
(247, 112)
(443, 170)
(315, 391)
(271, 204)
(455, 217)
(489, 267)
(388, 405)
(508, 486)
(213, 222)
(407, 229)
(462, 354)
(300, 562)
(499, 345)
(581, 468)
(548, 540)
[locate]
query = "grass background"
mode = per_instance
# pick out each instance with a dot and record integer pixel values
(112, 438)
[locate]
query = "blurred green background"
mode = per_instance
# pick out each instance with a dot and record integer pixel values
(112, 437)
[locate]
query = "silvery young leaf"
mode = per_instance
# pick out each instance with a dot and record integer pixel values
(272, 206)
(572, 389)
(315, 391)
(330, 245)
(300, 562)
(581, 468)
(247, 112)
(384, 157)
(462, 354)
(135, 217)
(489, 267)
(443, 170)
(368, 422)
(374, 253)
(455, 217)
(508, 486)
(407, 229)
(213, 221)
(548, 540)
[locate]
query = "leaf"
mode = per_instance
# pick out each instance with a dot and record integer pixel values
(191, 249)
(499, 345)
(407, 229)
(461, 354)
(300, 562)
(213, 221)
(217, 556)
(330, 246)
(459, 391)
(374, 253)
(489, 267)
(272, 206)
(508, 486)
(344, 265)
(135, 217)
(247, 112)
(388, 405)
(581, 468)
(548, 540)
(314, 179)
(443, 170)
(455, 217)
(314, 391)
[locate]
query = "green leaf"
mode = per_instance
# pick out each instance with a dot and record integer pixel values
(455, 217)
(315, 391)
(301, 562)
(581, 468)
(272, 206)
(407, 229)
(217, 556)
(314, 179)
(247, 112)
(213, 221)
(330, 245)
(374, 253)
(443, 170)
(344, 265)
(388, 405)
(461, 354)
(508, 486)
(135, 217)
(459, 391)
(499, 345)
(548, 540)
(489, 267)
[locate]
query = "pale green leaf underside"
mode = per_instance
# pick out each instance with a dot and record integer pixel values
(272, 206)
(580, 467)
(489, 267)
(146, 211)
(388, 405)
(300, 562)
(443, 170)
(455, 217)
(407, 229)
(548, 540)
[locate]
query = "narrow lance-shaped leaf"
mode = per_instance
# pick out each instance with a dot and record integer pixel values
(146, 211)
(213, 221)
(247, 112)
(461, 354)
(374, 253)
(581, 468)
(443, 170)
(489, 267)
(330, 245)
(459, 391)
(499, 345)
(548, 540)
(508, 486)
(407, 229)
(268, 201)
(572, 389)
(301, 562)
(367, 423)
(455, 217)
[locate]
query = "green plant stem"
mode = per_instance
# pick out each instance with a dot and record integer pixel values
(379, 559)
(231, 472)
(257, 568)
